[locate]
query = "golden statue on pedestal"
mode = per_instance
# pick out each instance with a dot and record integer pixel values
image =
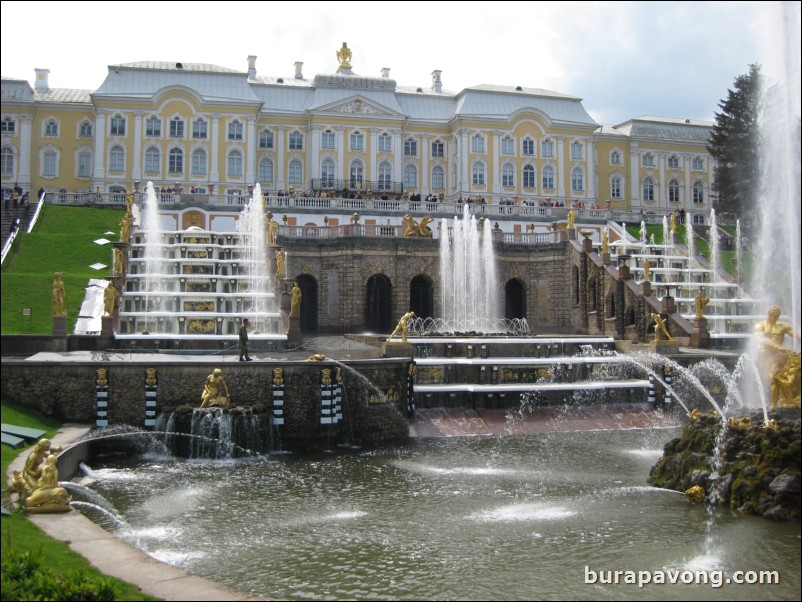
(781, 365)
(58, 295)
(38, 485)
(402, 327)
(700, 302)
(660, 329)
(215, 391)
(413, 228)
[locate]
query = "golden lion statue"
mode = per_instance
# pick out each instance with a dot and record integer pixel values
(414, 229)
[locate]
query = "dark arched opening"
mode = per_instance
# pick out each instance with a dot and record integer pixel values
(421, 297)
(308, 286)
(514, 299)
(378, 307)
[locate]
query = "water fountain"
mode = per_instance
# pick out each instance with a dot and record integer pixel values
(197, 283)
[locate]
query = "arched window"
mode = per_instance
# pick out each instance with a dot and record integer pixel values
(296, 172)
(615, 158)
(673, 191)
(576, 150)
(478, 174)
(528, 147)
(235, 130)
(328, 140)
(235, 164)
(410, 147)
(577, 180)
(266, 171)
(153, 126)
(673, 162)
(478, 144)
(648, 160)
(175, 161)
(507, 146)
(698, 193)
(85, 131)
(117, 126)
(296, 141)
(200, 129)
(548, 178)
(508, 175)
(356, 173)
(410, 177)
(265, 139)
(199, 162)
(438, 178)
(648, 190)
(176, 127)
(8, 126)
(385, 175)
(547, 148)
(357, 141)
(153, 160)
(7, 161)
(117, 159)
(529, 176)
(51, 127)
(327, 173)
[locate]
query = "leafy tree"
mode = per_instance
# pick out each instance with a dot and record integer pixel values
(735, 145)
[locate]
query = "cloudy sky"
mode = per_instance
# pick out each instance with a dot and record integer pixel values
(625, 59)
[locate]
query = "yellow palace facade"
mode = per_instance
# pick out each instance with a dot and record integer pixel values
(219, 131)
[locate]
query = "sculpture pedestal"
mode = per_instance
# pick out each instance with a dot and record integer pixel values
(106, 326)
(398, 349)
(646, 288)
(294, 336)
(700, 337)
(662, 347)
(60, 326)
(605, 257)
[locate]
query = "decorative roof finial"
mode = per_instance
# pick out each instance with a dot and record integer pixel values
(344, 56)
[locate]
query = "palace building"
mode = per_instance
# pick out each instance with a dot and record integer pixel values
(219, 131)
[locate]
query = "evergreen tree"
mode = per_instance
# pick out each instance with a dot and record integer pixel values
(734, 144)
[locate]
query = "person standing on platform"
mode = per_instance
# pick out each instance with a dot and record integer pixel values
(243, 342)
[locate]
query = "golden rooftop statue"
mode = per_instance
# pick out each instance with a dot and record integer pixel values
(344, 56)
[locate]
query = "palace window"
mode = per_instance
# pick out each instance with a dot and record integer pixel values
(698, 193)
(84, 165)
(478, 144)
(410, 147)
(153, 126)
(648, 160)
(175, 161)
(673, 191)
(51, 128)
(357, 173)
(438, 178)
(385, 175)
(615, 158)
(673, 162)
(698, 163)
(85, 131)
(327, 171)
(547, 148)
(648, 190)
(235, 164)
(529, 176)
(327, 140)
(152, 160)
(296, 141)
(235, 130)
(265, 140)
(548, 177)
(528, 147)
(296, 172)
(200, 129)
(577, 180)
(49, 164)
(117, 159)
(176, 128)
(507, 146)
(576, 150)
(385, 143)
(438, 149)
(410, 177)
(8, 126)
(117, 126)
(508, 175)
(478, 174)
(616, 187)
(266, 171)
(357, 141)
(198, 167)
(7, 161)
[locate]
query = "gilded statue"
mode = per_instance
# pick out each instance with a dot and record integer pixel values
(344, 56)
(782, 366)
(660, 329)
(700, 302)
(571, 218)
(109, 299)
(125, 227)
(118, 262)
(647, 270)
(318, 357)
(295, 300)
(413, 228)
(673, 223)
(272, 232)
(281, 268)
(129, 203)
(215, 391)
(605, 241)
(402, 327)
(58, 295)
(38, 485)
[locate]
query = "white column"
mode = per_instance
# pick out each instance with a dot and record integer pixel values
(464, 168)
(341, 152)
(590, 160)
(562, 177)
(214, 173)
(250, 171)
(314, 153)
(281, 168)
(374, 149)
(634, 184)
(687, 193)
(496, 189)
(136, 171)
(100, 145)
(424, 176)
(398, 152)
(25, 145)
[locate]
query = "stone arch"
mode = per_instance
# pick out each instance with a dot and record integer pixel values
(421, 296)
(514, 299)
(309, 302)
(378, 304)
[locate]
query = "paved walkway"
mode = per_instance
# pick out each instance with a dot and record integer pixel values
(115, 558)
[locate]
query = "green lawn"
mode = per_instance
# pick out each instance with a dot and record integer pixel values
(20, 534)
(63, 241)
